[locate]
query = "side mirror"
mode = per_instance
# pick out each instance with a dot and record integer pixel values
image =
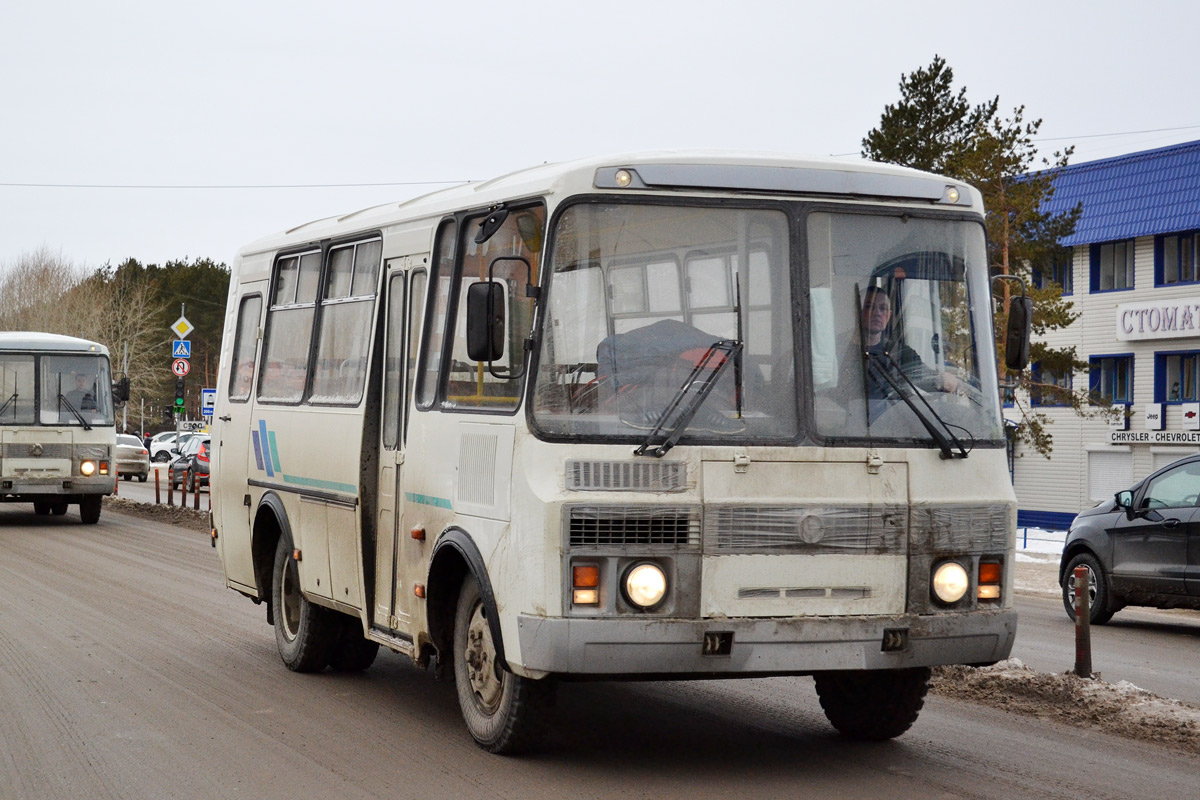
(485, 321)
(121, 389)
(1125, 500)
(1016, 338)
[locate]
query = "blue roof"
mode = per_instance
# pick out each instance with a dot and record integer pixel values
(1139, 194)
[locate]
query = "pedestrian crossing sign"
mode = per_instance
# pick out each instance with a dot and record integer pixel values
(181, 348)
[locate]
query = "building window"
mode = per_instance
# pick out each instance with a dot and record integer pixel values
(1176, 258)
(1111, 379)
(1112, 266)
(1050, 388)
(1059, 269)
(1175, 377)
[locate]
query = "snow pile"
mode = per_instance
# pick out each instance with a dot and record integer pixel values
(1121, 709)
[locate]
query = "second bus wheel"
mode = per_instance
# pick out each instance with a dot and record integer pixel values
(873, 704)
(504, 712)
(304, 633)
(89, 509)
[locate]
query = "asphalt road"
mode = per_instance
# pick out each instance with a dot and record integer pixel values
(127, 670)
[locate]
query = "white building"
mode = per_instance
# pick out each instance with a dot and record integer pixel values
(1134, 274)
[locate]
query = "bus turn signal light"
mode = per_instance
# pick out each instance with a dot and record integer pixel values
(990, 575)
(585, 583)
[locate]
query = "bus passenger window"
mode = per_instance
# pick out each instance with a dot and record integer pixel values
(243, 348)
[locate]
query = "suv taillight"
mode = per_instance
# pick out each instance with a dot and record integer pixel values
(202, 454)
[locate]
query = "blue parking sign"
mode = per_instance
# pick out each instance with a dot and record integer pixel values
(181, 348)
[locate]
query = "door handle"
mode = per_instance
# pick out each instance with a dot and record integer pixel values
(225, 418)
(1170, 523)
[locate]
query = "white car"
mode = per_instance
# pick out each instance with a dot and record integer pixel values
(164, 446)
(132, 458)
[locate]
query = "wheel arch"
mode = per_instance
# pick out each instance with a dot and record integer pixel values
(454, 557)
(270, 524)
(1073, 549)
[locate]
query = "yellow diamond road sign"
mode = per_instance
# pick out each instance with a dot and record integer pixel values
(182, 327)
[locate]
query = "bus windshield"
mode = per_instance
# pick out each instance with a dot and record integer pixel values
(641, 296)
(75, 390)
(646, 302)
(901, 329)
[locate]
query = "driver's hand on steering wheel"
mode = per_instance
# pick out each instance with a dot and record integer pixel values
(947, 383)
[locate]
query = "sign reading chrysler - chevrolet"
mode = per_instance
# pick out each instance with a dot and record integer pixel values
(1159, 319)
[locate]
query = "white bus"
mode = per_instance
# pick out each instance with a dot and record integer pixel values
(57, 434)
(623, 419)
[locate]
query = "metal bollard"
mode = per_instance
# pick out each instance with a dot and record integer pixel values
(1083, 628)
(157, 489)
(170, 489)
(196, 499)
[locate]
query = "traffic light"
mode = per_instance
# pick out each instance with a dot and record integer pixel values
(179, 387)
(168, 414)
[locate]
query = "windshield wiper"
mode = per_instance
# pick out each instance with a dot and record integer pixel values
(7, 403)
(882, 365)
(688, 399)
(63, 401)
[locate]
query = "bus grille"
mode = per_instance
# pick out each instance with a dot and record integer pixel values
(805, 529)
(626, 476)
(591, 526)
(30, 450)
(977, 529)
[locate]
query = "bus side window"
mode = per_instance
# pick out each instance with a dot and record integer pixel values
(289, 329)
(242, 378)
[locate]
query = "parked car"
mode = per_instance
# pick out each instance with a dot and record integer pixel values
(190, 468)
(1136, 546)
(132, 458)
(169, 446)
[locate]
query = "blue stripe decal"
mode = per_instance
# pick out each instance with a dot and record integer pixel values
(257, 449)
(262, 432)
(274, 452)
(427, 500)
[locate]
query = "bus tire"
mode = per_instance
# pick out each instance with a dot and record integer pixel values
(58, 508)
(875, 704)
(41, 507)
(305, 633)
(89, 509)
(504, 712)
(353, 652)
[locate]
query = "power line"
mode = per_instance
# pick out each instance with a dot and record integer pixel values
(226, 186)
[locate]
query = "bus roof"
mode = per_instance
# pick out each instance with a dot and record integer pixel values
(672, 170)
(27, 341)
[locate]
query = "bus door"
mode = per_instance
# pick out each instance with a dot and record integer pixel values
(395, 549)
(231, 424)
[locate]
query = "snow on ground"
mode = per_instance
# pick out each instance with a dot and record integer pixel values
(1121, 709)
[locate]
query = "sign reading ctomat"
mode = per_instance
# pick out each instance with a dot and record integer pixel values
(1176, 318)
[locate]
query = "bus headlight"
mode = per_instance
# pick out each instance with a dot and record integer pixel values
(950, 582)
(645, 585)
(87, 468)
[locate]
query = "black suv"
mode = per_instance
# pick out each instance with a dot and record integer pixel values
(1142, 548)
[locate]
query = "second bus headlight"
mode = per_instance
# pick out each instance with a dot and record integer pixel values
(950, 582)
(645, 585)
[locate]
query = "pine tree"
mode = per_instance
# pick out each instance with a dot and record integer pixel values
(936, 130)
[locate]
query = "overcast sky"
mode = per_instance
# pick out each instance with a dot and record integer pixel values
(252, 96)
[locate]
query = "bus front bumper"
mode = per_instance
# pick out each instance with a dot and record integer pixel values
(672, 647)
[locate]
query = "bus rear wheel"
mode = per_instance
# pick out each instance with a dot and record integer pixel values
(41, 507)
(89, 509)
(504, 712)
(352, 652)
(874, 704)
(304, 633)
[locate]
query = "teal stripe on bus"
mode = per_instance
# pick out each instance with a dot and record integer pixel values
(427, 500)
(317, 483)
(274, 451)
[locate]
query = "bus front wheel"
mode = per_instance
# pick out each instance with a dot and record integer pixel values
(504, 712)
(305, 633)
(873, 704)
(89, 509)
